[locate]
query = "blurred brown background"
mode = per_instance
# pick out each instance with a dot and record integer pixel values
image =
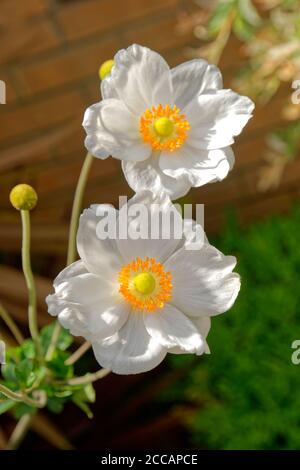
(50, 54)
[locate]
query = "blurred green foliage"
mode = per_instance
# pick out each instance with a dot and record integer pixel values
(246, 394)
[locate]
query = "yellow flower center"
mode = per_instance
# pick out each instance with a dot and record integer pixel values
(145, 284)
(164, 128)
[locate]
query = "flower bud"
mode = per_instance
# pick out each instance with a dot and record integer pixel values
(105, 68)
(23, 197)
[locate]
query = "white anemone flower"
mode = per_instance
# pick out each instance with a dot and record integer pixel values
(136, 300)
(172, 128)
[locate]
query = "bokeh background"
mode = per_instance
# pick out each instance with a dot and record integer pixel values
(245, 395)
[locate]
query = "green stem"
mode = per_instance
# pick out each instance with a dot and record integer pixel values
(26, 264)
(20, 396)
(19, 432)
(11, 324)
(77, 205)
(78, 353)
(88, 378)
(72, 252)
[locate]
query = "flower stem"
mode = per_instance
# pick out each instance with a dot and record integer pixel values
(21, 396)
(72, 253)
(19, 432)
(78, 353)
(77, 205)
(88, 378)
(26, 264)
(8, 320)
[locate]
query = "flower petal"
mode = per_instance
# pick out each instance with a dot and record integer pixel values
(99, 256)
(88, 306)
(141, 78)
(147, 215)
(203, 282)
(148, 175)
(192, 78)
(199, 166)
(172, 328)
(132, 350)
(216, 117)
(203, 325)
(112, 130)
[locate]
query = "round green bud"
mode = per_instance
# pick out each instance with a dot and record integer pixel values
(105, 68)
(23, 197)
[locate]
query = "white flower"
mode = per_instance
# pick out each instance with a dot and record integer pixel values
(172, 129)
(137, 300)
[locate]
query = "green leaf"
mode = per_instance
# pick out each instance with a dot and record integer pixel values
(24, 409)
(24, 372)
(28, 349)
(9, 372)
(56, 405)
(6, 405)
(58, 366)
(64, 340)
(219, 15)
(248, 11)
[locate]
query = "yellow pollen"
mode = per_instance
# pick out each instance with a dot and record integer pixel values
(105, 68)
(164, 128)
(145, 284)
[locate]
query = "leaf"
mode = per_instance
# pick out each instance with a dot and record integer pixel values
(64, 340)
(28, 349)
(6, 405)
(9, 373)
(58, 366)
(249, 13)
(219, 15)
(24, 409)
(24, 372)
(56, 405)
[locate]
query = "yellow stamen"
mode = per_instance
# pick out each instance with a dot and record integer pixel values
(145, 284)
(164, 128)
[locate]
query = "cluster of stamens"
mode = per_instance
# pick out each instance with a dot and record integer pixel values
(164, 128)
(145, 284)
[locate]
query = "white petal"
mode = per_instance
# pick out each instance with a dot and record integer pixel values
(199, 166)
(88, 306)
(203, 282)
(203, 326)
(117, 119)
(112, 130)
(172, 328)
(99, 256)
(98, 142)
(192, 78)
(141, 78)
(132, 350)
(74, 269)
(148, 175)
(216, 117)
(157, 209)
